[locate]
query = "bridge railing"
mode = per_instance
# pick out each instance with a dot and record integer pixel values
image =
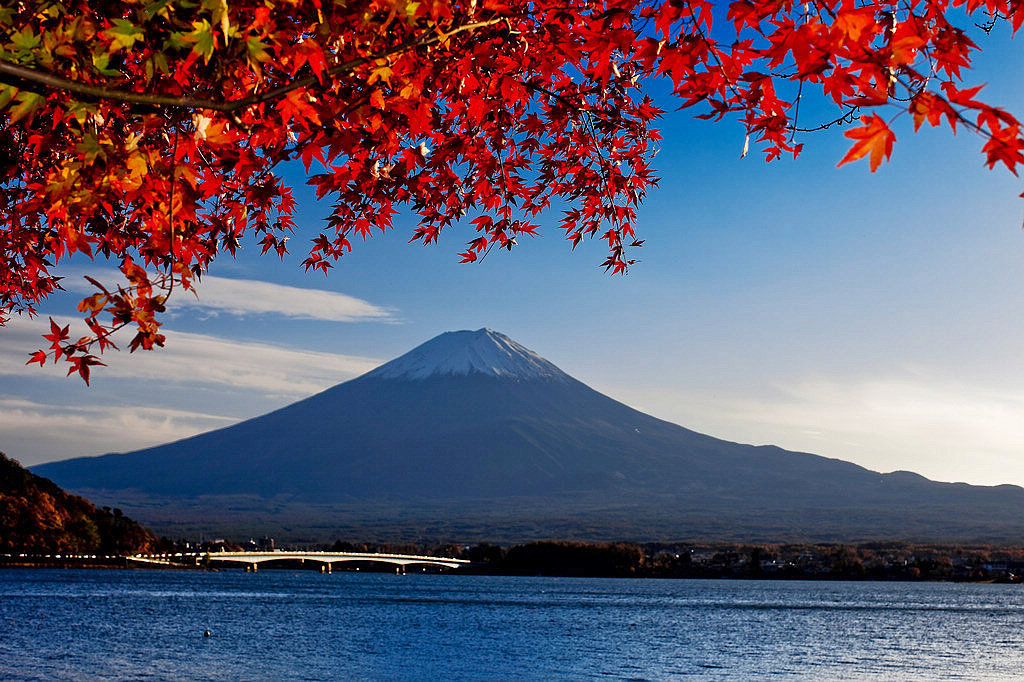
(253, 558)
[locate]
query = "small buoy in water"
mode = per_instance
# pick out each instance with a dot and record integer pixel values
(206, 633)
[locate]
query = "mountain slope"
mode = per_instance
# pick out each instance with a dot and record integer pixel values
(36, 516)
(478, 433)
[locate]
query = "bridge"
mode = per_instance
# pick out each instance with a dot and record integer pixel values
(252, 560)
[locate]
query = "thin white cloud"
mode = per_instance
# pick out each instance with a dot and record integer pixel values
(195, 359)
(253, 297)
(244, 297)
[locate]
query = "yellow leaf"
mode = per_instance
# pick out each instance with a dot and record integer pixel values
(382, 73)
(123, 34)
(137, 166)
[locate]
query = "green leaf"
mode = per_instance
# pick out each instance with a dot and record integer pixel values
(257, 50)
(90, 149)
(178, 40)
(160, 61)
(218, 10)
(81, 111)
(123, 34)
(102, 63)
(7, 93)
(25, 40)
(202, 39)
(28, 102)
(158, 8)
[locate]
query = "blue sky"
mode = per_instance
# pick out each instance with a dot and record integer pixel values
(875, 318)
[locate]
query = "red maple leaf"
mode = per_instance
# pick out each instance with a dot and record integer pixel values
(874, 138)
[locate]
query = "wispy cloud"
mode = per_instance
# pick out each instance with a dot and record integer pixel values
(198, 359)
(197, 383)
(36, 432)
(245, 297)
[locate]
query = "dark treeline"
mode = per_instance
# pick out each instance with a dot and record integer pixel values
(865, 561)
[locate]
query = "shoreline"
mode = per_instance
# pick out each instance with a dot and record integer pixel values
(877, 561)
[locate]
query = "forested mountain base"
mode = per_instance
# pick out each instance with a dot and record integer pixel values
(37, 517)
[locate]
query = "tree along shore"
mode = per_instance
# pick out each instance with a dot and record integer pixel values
(37, 517)
(865, 561)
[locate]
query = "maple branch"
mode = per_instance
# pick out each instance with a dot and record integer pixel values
(170, 204)
(796, 112)
(184, 102)
(85, 343)
(845, 119)
(102, 334)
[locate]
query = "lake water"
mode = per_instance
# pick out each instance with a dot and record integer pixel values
(272, 625)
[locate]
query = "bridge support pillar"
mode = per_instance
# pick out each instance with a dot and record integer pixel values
(254, 568)
(328, 568)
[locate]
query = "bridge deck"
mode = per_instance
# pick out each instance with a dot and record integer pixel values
(320, 557)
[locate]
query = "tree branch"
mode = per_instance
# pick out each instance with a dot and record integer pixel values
(55, 82)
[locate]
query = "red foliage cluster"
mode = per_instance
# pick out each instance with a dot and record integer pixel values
(148, 131)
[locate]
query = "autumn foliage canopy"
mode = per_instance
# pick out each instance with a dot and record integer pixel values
(153, 132)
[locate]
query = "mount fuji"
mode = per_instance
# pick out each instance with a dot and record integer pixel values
(472, 436)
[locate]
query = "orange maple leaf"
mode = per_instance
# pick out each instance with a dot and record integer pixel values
(873, 137)
(853, 24)
(927, 106)
(906, 41)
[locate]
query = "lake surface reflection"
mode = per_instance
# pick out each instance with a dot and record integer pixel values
(273, 625)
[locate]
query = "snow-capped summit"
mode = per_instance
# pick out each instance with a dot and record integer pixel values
(483, 351)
